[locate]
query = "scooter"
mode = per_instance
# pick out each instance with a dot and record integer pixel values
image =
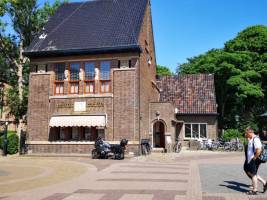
(104, 150)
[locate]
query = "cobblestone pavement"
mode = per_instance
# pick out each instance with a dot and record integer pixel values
(188, 175)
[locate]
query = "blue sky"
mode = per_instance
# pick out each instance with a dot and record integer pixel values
(187, 28)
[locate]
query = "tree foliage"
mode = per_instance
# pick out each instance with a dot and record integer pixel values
(240, 70)
(27, 19)
(163, 71)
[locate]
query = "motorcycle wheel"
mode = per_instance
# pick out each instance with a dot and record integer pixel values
(121, 155)
(94, 154)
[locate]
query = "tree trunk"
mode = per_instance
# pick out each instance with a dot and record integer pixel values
(20, 84)
(20, 69)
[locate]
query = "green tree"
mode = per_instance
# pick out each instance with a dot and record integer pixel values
(27, 19)
(240, 75)
(163, 71)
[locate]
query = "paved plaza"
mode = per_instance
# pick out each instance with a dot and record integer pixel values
(188, 175)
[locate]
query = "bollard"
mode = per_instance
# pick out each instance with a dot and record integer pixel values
(5, 142)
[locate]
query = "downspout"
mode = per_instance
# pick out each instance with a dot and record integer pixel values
(139, 117)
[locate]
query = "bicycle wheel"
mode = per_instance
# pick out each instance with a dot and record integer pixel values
(143, 150)
(179, 147)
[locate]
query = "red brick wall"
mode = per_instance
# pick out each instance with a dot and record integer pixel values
(147, 72)
(124, 104)
(71, 148)
(38, 107)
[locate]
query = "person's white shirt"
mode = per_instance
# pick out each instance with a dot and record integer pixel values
(257, 145)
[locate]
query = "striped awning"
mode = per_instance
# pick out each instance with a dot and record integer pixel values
(84, 121)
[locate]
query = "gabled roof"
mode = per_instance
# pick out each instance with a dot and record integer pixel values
(91, 26)
(191, 94)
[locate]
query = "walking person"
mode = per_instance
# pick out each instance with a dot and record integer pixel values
(252, 163)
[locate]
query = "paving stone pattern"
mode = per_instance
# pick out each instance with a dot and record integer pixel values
(154, 185)
(183, 176)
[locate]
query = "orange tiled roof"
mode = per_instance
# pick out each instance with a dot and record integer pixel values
(191, 93)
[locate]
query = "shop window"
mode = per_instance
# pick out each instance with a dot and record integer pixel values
(63, 133)
(195, 130)
(74, 78)
(59, 78)
(105, 76)
(89, 78)
(88, 133)
(75, 133)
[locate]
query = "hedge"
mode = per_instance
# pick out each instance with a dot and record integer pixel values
(13, 142)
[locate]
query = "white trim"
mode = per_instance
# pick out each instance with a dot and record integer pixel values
(74, 142)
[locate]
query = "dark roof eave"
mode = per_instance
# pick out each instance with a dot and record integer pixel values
(208, 114)
(71, 52)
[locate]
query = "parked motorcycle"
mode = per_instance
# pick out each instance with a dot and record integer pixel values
(105, 150)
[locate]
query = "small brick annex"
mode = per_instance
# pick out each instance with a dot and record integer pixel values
(130, 100)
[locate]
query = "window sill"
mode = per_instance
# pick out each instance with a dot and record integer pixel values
(70, 96)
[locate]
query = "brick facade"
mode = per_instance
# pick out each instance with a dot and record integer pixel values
(127, 105)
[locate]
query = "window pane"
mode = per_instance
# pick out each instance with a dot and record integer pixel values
(89, 88)
(59, 88)
(101, 133)
(74, 71)
(63, 133)
(59, 71)
(74, 88)
(188, 130)
(105, 70)
(75, 133)
(89, 68)
(203, 130)
(105, 86)
(195, 132)
(88, 133)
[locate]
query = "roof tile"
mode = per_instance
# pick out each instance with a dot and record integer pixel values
(191, 94)
(92, 25)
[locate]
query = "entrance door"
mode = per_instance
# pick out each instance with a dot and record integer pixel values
(159, 135)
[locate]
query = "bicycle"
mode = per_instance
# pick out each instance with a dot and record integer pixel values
(177, 147)
(145, 147)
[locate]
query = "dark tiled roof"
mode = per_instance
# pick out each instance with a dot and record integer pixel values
(191, 94)
(91, 26)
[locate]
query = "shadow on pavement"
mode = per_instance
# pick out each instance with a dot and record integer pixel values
(235, 186)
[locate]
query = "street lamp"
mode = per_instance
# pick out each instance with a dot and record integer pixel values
(237, 123)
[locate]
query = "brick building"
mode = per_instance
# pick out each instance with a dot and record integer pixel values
(93, 73)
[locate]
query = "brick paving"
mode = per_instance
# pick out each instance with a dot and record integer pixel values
(188, 175)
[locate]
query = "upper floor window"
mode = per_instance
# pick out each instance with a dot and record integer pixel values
(59, 78)
(74, 78)
(74, 71)
(89, 78)
(105, 76)
(59, 71)
(105, 70)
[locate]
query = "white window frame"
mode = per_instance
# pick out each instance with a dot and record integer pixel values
(191, 123)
